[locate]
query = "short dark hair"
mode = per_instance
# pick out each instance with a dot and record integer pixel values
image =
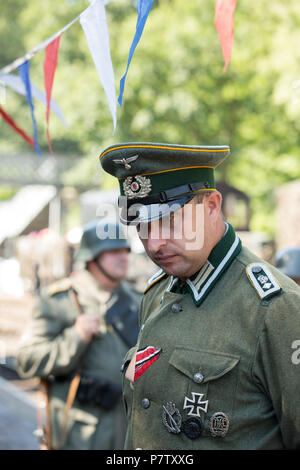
(198, 199)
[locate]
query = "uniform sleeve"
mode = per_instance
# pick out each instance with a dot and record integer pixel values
(277, 367)
(49, 346)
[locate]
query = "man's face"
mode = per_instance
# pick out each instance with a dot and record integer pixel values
(180, 244)
(115, 262)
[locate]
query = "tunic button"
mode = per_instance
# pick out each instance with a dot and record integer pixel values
(198, 378)
(256, 269)
(176, 308)
(145, 403)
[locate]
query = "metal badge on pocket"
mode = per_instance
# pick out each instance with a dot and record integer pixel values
(172, 418)
(219, 424)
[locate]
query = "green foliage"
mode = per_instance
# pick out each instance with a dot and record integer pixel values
(175, 90)
(7, 192)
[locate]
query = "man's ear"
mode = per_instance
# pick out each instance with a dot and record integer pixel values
(91, 266)
(213, 203)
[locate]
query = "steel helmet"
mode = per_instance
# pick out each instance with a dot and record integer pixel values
(98, 237)
(287, 261)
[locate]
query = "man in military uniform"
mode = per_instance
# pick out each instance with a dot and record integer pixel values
(213, 366)
(288, 262)
(77, 339)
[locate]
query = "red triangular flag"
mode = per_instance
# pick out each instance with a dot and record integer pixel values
(224, 12)
(16, 128)
(50, 64)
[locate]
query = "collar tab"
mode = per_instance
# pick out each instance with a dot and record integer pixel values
(222, 255)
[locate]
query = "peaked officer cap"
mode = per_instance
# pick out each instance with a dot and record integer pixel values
(287, 260)
(156, 179)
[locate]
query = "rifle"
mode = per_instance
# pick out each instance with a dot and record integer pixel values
(44, 430)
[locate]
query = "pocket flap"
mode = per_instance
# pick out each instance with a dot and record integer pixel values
(210, 364)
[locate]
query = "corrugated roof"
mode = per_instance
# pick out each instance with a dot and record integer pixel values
(17, 213)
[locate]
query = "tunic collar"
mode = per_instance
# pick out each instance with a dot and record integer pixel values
(202, 282)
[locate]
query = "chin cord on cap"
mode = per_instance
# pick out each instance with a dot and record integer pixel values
(109, 276)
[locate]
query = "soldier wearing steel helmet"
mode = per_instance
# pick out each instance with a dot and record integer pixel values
(214, 366)
(288, 262)
(79, 334)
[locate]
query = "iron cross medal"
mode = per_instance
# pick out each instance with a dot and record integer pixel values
(195, 404)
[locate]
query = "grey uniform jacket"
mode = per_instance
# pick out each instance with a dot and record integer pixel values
(220, 358)
(52, 347)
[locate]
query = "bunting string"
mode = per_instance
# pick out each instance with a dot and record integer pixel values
(18, 62)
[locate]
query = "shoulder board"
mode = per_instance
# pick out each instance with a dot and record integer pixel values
(59, 286)
(262, 280)
(154, 279)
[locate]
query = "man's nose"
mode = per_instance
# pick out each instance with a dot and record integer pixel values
(155, 244)
(155, 239)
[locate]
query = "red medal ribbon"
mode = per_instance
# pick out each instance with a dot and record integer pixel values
(144, 359)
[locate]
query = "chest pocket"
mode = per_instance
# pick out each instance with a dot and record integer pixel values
(212, 376)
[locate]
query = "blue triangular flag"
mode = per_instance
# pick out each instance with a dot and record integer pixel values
(143, 10)
(24, 74)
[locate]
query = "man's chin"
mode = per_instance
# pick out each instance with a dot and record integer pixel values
(172, 269)
(120, 276)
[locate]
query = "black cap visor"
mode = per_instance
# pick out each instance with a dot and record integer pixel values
(143, 214)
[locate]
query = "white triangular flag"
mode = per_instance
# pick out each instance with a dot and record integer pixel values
(93, 22)
(16, 83)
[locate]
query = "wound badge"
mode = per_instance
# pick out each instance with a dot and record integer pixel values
(140, 186)
(192, 427)
(172, 418)
(219, 424)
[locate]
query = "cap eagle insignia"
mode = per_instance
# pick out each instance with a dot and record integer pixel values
(126, 161)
